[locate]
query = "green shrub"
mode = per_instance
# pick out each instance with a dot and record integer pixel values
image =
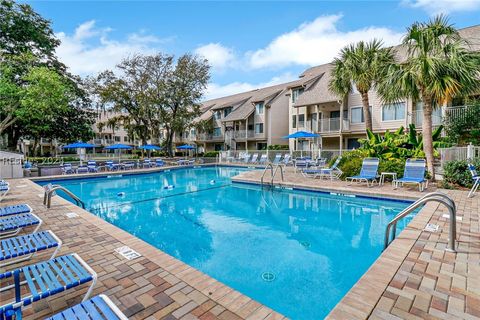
(278, 147)
(211, 154)
(392, 165)
(456, 172)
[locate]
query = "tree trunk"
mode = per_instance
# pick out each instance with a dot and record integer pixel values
(366, 111)
(170, 142)
(427, 135)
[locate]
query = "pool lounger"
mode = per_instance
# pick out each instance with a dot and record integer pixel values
(15, 209)
(368, 173)
(4, 188)
(98, 308)
(22, 248)
(12, 225)
(45, 279)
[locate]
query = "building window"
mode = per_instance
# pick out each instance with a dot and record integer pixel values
(259, 108)
(117, 139)
(294, 122)
(301, 121)
(125, 139)
(261, 146)
(395, 111)
(353, 143)
(296, 93)
(217, 115)
(227, 111)
(357, 114)
(217, 132)
(258, 128)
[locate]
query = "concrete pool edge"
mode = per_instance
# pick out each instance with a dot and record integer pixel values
(210, 287)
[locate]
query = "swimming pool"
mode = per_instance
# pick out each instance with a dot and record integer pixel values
(298, 252)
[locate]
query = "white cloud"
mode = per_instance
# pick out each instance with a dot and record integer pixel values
(444, 6)
(89, 49)
(314, 43)
(215, 90)
(217, 55)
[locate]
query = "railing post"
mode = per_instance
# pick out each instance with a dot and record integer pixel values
(470, 151)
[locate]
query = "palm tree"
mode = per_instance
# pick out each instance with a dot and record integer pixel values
(363, 65)
(437, 68)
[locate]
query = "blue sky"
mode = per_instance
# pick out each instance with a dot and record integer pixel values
(249, 44)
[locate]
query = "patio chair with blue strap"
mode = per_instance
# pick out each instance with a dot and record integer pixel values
(147, 163)
(44, 279)
(331, 173)
(159, 163)
(286, 160)
(92, 166)
(97, 308)
(368, 173)
(4, 190)
(254, 158)
(82, 169)
(67, 168)
(301, 164)
(15, 209)
(476, 179)
(11, 225)
(263, 159)
(111, 166)
(277, 159)
(22, 248)
(414, 173)
(4, 183)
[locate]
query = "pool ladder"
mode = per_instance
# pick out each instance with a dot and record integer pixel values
(47, 197)
(439, 197)
(273, 172)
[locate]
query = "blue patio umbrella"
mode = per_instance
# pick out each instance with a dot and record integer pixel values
(150, 147)
(186, 147)
(79, 145)
(119, 147)
(301, 135)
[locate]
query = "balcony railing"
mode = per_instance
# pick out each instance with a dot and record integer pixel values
(208, 137)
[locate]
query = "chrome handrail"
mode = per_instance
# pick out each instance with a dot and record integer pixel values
(269, 165)
(47, 197)
(275, 173)
(433, 196)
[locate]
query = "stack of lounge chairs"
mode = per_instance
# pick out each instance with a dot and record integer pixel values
(27, 284)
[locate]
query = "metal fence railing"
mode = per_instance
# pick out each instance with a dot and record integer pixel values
(458, 153)
(229, 156)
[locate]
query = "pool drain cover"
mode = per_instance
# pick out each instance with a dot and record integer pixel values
(268, 276)
(306, 244)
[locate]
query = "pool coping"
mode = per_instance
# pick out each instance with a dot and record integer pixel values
(358, 303)
(215, 290)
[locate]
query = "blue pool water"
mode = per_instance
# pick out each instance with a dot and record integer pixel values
(297, 252)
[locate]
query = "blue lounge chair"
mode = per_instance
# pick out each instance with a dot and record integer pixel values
(82, 169)
(414, 173)
(13, 224)
(4, 183)
(476, 179)
(277, 159)
(21, 248)
(111, 166)
(159, 163)
(98, 308)
(92, 166)
(300, 164)
(263, 159)
(45, 279)
(129, 165)
(147, 163)
(4, 190)
(331, 173)
(368, 173)
(15, 209)
(67, 168)
(286, 160)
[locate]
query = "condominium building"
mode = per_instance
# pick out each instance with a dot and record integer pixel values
(252, 120)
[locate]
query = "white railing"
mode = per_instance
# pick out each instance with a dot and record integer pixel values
(456, 112)
(458, 153)
(234, 155)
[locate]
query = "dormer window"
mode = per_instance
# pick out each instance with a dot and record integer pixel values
(218, 115)
(259, 108)
(296, 93)
(227, 111)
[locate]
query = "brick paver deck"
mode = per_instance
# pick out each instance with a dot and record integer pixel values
(415, 278)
